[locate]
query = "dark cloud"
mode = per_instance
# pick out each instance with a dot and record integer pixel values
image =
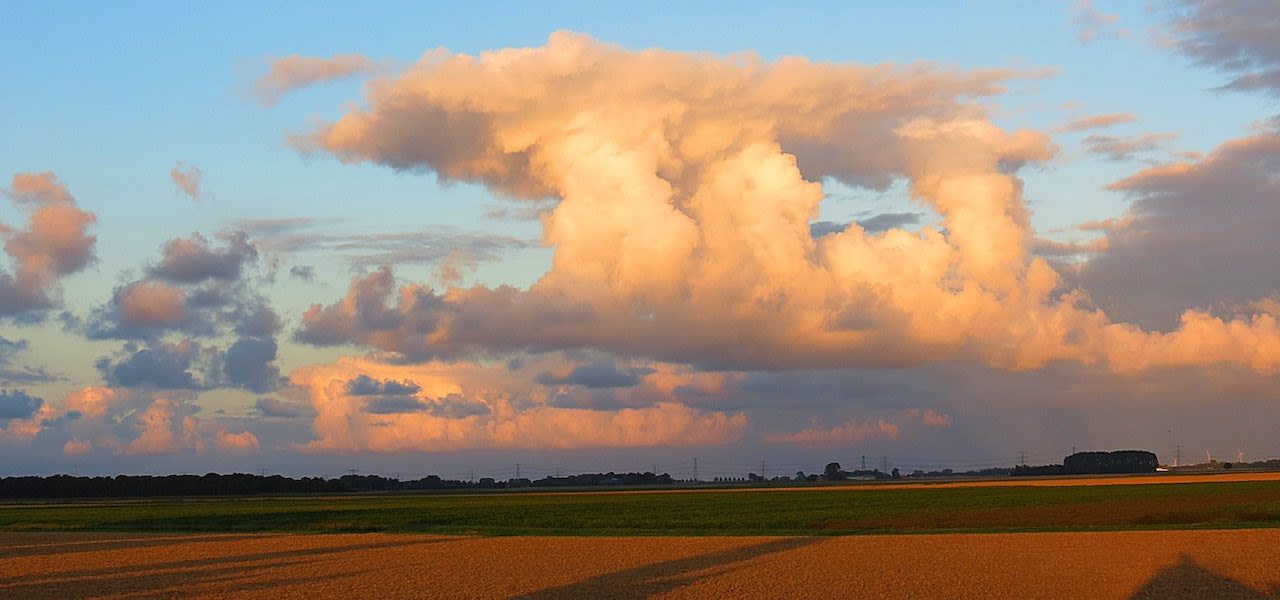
(275, 407)
(303, 272)
(600, 374)
(17, 404)
(1198, 235)
(457, 406)
(160, 365)
(192, 260)
(250, 364)
(195, 290)
(818, 229)
(1236, 38)
(387, 405)
(887, 221)
(368, 386)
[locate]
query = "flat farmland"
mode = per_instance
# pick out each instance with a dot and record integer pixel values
(1242, 563)
(1236, 501)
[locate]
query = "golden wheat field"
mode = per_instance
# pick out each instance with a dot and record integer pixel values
(1147, 564)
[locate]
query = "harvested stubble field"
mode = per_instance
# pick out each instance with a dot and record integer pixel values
(1202, 537)
(1250, 500)
(1148, 564)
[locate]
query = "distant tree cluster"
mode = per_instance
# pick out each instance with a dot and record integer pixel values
(215, 484)
(1095, 463)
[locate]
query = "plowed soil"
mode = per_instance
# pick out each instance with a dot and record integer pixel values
(1147, 564)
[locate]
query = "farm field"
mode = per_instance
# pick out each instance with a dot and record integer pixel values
(1121, 565)
(1122, 504)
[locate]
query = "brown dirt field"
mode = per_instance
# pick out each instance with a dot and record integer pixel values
(1149, 564)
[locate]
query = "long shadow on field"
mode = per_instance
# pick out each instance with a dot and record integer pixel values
(143, 577)
(651, 580)
(115, 543)
(1187, 580)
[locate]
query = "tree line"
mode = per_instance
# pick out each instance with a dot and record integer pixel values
(216, 484)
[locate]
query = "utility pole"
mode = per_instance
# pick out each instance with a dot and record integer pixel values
(471, 476)
(1177, 456)
(695, 468)
(864, 462)
(885, 465)
(1022, 457)
(517, 470)
(764, 470)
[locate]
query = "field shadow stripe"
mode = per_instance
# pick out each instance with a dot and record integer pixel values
(651, 580)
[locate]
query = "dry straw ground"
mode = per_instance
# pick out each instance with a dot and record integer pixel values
(1147, 564)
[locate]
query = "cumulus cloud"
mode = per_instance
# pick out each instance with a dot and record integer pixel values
(847, 433)
(17, 404)
(164, 427)
(295, 72)
(195, 289)
(1098, 122)
(192, 260)
(243, 442)
(467, 406)
(54, 243)
(598, 374)
(686, 187)
(187, 178)
(1236, 38)
(196, 295)
(1124, 148)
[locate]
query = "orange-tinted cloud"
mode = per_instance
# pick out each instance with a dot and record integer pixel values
(187, 178)
(54, 243)
(293, 72)
(152, 304)
(687, 185)
(1099, 122)
(242, 442)
(849, 432)
(164, 429)
(441, 407)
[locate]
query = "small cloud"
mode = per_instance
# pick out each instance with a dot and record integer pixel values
(930, 418)
(295, 72)
(1092, 23)
(242, 442)
(364, 385)
(275, 407)
(303, 272)
(849, 432)
(1124, 148)
(602, 374)
(1098, 122)
(187, 177)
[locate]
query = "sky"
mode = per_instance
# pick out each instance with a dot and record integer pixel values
(433, 239)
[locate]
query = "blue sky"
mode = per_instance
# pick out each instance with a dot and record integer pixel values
(110, 97)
